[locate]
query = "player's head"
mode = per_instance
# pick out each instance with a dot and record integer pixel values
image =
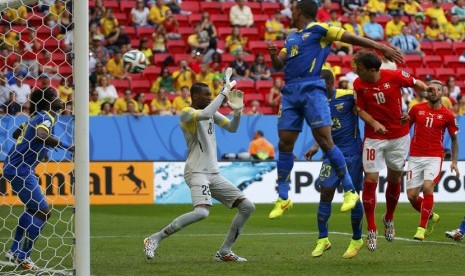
(45, 100)
(304, 11)
(201, 95)
(258, 134)
(328, 77)
(367, 64)
(434, 91)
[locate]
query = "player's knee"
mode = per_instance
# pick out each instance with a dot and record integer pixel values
(285, 146)
(42, 214)
(246, 207)
(201, 212)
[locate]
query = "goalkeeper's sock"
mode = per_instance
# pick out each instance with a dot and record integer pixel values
(32, 233)
(24, 221)
(356, 220)
(246, 208)
(284, 164)
(180, 222)
(338, 162)
(324, 212)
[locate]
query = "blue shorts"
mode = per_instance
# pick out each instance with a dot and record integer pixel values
(28, 190)
(328, 177)
(304, 99)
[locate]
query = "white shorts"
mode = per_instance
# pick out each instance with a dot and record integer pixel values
(421, 169)
(204, 186)
(378, 152)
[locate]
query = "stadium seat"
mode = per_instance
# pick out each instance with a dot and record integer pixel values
(226, 60)
(185, 32)
(258, 46)
(246, 86)
(122, 18)
(194, 19)
(420, 73)
(249, 33)
(452, 62)
(427, 47)
(35, 19)
(210, 7)
(145, 32)
(460, 73)
(183, 19)
(269, 8)
(171, 96)
(442, 48)
(191, 6)
(152, 72)
(140, 86)
(113, 4)
(433, 61)
(159, 59)
(126, 6)
(414, 61)
(176, 46)
(91, 3)
(220, 20)
(58, 57)
(249, 97)
(263, 86)
(249, 59)
(260, 22)
(346, 61)
(266, 110)
(120, 85)
(459, 48)
(334, 60)
(52, 44)
(444, 73)
(179, 57)
(279, 74)
(131, 32)
(255, 7)
(65, 70)
(409, 70)
(226, 7)
(223, 32)
(225, 110)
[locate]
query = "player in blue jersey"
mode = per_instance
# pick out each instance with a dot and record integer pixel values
(346, 136)
(34, 139)
(304, 96)
(458, 233)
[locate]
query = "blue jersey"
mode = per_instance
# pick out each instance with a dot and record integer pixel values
(344, 128)
(307, 50)
(28, 150)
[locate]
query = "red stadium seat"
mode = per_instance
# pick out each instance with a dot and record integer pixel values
(151, 73)
(279, 74)
(120, 85)
(259, 46)
(334, 60)
(347, 61)
(266, 110)
(255, 7)
(145, 32)
(195, 18)
(432, 61)
(459, 48)
(140, 86)
(248, 87)
(185, 32)
(442, 48)
(452, 62)
(226, 60)
(176, 46)
(122, 18)
(223, 32)
(159, 59)
(270, 8)
(226, 7)
(444, 73)
(210, 7)
(249, 97)
(414, 61)
(249, 33)
(131, 32)
(179, 57)
(111, 4)
(249, 59)
(460, 73)
(225, 110)
(58, 57)
(183, 19)
(427, 47)
(263, 86)
(220, 20)
(260, 22)
(420, 73)
(190, 6)
(126, 6)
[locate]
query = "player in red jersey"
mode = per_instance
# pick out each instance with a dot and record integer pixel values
(431, 119)
(379, 102)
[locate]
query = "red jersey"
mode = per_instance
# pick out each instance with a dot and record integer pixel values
(383, 101)
(430, 125)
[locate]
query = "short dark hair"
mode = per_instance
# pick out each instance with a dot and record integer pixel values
(197, 88)
(259, 132)
(309, 8)
(327, 75)
(41, 99)
(369, 59)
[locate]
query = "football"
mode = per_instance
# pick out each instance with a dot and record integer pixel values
(134, 61)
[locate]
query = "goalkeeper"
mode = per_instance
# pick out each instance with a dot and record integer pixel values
(201, 171)
(34, 139)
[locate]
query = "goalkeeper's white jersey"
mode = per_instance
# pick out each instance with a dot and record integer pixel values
(201, 141)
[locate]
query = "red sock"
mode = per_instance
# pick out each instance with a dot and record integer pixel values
(417, 204)
(426, 209)
(392, 197)
(369, 203)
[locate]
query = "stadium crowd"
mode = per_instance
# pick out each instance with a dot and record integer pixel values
(192, 41)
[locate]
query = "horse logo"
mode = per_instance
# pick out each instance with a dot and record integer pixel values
(137, 181)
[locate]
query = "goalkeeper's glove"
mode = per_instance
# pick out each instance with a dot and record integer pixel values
(236, 101)
(227, 84)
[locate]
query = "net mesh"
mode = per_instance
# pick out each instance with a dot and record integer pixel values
(36, 53)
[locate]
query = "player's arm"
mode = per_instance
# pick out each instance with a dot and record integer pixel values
(411, 115)
(420, 86)
(312, 151)
(455, 154)
(229, 125)
(43, 134)
(278, 59)
(19, 130)
(368, 119)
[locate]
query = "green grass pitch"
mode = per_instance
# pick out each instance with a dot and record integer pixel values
(272, 247)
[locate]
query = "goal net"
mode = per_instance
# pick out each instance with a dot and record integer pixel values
(36, 45)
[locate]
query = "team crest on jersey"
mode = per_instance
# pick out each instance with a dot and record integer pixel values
(340, 107)
(305, 36)
(386, 85)
(439, 117)
(405, 74)
(421, 112)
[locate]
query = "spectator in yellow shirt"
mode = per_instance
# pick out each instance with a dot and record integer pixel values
(216, 86)
(121, 104)
(145, 49)
(158, 12)
(141, 106)
(161, 105)
(163, 81)
(377, 6)
(109, 24)
(65, 90)
(454, 31)
(411, 7)
(274, 28)
(16, 16)
(185, 76)
(205, 75)
(183, 100)
(437, 12)
(394, 27)
(115, 67)
(433, 31)
(334, 19)
(352, 26)
(56, 10)
(235, 42)
(9, 39)
(94, 104)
